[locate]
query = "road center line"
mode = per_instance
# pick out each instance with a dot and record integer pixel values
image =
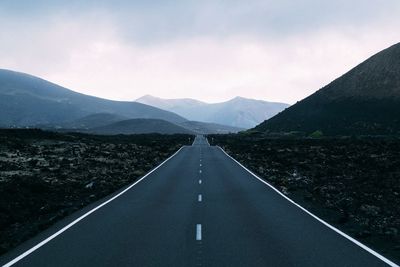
(200, 181)
(199, 171)
(200, 198)
(198, 232)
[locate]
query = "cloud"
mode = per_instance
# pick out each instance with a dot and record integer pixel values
(146, 21)
(207, 50)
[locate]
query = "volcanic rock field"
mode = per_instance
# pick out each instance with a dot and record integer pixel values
(46, 176)
(353, 183)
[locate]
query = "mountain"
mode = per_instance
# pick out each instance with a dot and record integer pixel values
(140, 126)
(364, 101)
(170, 104)
(238, 112)
(88, 122)
(95, 121)
(209, 128)
(26, 100)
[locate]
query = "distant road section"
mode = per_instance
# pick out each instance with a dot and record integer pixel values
(199, 208)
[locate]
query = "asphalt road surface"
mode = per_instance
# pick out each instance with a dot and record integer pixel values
(199, 208)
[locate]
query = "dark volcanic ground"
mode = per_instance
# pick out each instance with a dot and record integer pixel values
(45, 176)
(352, 183)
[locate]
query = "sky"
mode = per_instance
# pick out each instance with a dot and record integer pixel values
(211, 50)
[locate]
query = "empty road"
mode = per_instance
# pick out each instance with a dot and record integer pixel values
(199, 208)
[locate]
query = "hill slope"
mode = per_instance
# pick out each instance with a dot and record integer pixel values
(93, 121)
(366, 100)
(140, 126)
(89, 122)
(209, 128)
(238, 112)
(170, 104)
(27, 100)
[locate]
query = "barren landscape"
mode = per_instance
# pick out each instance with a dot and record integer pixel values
(353, 183)
(45, 176)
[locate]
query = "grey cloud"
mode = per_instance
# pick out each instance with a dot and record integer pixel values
(155, 21)
(264, 19)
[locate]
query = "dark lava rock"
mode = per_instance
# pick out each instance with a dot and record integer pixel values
(45, 176)
(353, 183)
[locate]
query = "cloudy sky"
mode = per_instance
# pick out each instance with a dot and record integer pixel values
(210, 50)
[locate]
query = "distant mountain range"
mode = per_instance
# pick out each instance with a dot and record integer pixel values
(140, 126)
(105, 123)
(209, 128)
(89, 122)
(237, 112)
(28, 101)
(364, 101)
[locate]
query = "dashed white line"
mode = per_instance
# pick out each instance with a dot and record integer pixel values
(201, 165)
(200, 181)
(200, 198)
(200, 171)
(198, 232)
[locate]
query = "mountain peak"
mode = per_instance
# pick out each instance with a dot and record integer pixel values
(144, 97)
(238, 112)
(239, 98)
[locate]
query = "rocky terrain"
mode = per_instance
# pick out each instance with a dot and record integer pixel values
(353, 183)
(45, 176)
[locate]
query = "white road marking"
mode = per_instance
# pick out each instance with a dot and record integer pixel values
(29, 251)
(198, 232)
(207, 141)
(373, 252)
(200, 181)
(200, 198)
(199, 171)
(201, 165)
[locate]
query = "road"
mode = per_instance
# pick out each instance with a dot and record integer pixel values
(199, 208)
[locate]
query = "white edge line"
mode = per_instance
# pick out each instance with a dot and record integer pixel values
(198, 232)
(373, 252)
(29, 251)
(207, 141)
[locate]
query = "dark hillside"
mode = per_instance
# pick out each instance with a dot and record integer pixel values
(364, 101)
(26, 100)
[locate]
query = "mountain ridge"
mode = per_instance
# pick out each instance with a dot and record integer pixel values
(27, 100)
(363, 101)
(237, 112)
(94, 121)
(140, 126)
